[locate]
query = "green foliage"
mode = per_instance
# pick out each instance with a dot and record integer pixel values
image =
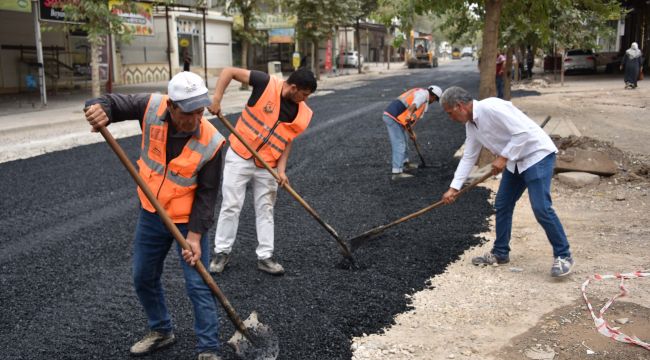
(578, 23)
(249, 10)
(317, 19)
(398, 40)
(397, 12)
(572, 24)
(96, 19)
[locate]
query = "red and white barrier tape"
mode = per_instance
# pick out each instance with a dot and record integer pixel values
(601, 324)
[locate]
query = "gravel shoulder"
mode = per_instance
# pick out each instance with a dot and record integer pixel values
(517, 311)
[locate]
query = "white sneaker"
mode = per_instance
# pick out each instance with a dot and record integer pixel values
(561, 266)
(400, 176)
(151, 342)
(270, 266)
(410, 166)
(209, 356)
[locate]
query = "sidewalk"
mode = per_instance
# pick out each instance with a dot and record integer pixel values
(27, 130)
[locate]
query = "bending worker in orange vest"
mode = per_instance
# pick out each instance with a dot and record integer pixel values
(180, 160)
(274, 115)
(401, 113)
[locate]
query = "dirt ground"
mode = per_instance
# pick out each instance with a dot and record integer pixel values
(517, 311)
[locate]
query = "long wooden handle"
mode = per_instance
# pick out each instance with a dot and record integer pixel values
(230, 310)
(342, 245)
(360, 239)
(417, 146)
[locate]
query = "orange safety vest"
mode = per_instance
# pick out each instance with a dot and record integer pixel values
(261, 128)
(407, 99)
(173, 184)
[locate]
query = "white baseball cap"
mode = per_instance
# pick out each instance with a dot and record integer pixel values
(187, 90)
(435, 90)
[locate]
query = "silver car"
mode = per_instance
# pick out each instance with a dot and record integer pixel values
(580, 60)
(350, 58)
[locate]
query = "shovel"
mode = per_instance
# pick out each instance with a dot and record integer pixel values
(417, 146)
(361, 239)
(343, 246)
(253, 340)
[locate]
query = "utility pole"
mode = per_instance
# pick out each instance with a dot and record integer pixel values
(39, 53)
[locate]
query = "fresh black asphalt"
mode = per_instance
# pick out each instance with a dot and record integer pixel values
(68, 220)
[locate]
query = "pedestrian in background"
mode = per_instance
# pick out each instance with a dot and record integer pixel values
(525, 155)
(401, 115)
(500, 70)
(632, 62)
(275, 114)
(530, 62)
(180, 160)
(187, 59)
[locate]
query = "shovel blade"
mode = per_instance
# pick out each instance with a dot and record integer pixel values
(359, 240)
(265, 346)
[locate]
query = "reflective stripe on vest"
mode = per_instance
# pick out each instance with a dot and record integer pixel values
(268, 129)
(174, 190)
(260, 127)
(407, 99)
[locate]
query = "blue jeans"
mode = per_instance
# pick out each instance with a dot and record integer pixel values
(537, 179)
(499, 83)
(152, 243)
(398, 143)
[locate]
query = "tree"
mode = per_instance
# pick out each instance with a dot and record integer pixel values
(97, 20)
(400, 13)
(317, 20)
(569, 23)
(361, 9)
(464, 19)
(249, 11)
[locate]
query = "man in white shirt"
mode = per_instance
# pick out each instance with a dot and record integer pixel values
(401, 115)
(527, 154)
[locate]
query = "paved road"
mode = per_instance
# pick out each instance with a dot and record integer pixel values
(68, 219)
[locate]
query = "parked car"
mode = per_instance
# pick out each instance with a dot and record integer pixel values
(455, 53)
(350, 58)
(580, 60)
(467, 51)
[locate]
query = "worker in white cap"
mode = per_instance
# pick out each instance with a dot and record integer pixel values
(180, 160)
(400, 116)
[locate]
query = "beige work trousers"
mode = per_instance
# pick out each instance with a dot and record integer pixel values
(237, 173)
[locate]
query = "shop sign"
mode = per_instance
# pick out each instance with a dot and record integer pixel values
(50, 12)
(16, 5)
(281, 36)
(140, 22)
(269, 21)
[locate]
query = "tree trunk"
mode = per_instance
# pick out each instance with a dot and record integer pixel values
(562, 66)
(508, 74)
(94, 68)
(487, 85)
(390, 56)
(244, 59)
(357, 39)
(314, 59)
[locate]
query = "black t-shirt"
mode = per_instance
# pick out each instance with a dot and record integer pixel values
(258, 80)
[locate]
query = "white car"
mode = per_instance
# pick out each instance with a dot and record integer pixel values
(580, 60)
(350, 58)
